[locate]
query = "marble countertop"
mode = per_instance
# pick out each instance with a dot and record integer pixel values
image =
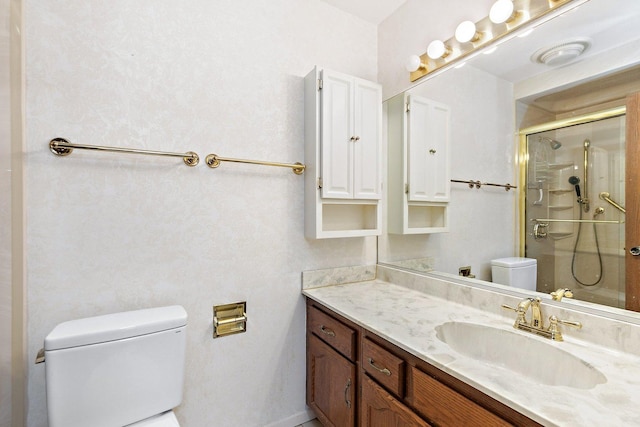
(408, 318)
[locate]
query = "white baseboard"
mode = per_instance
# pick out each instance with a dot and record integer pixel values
(294, 420)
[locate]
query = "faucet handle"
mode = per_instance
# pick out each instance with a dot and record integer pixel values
(521, 311)
(508, 307)
(554, 330)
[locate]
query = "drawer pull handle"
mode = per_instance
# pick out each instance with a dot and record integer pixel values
(381, 370)
(346, 394)
(327, 331)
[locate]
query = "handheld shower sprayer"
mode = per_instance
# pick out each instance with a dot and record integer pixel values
(575, 181)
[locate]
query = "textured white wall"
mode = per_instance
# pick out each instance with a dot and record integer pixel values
(109, 232)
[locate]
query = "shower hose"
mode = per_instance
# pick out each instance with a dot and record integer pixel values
(575, 249)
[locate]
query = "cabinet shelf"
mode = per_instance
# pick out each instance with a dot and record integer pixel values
(560, 207)
(418, 147)
(559, 166)
(343, 183)
(560, 190)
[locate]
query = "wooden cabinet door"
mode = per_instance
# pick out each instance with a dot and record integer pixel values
(367, 144)
(331, 384)
(428, 134)
(380, 409)
(337, 133)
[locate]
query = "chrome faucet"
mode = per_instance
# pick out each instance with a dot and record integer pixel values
(536, 325)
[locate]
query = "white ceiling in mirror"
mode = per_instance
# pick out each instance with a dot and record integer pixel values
(606, 23)
(374, 11)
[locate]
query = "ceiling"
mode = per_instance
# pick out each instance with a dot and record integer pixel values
(601, 22)
(374, 11)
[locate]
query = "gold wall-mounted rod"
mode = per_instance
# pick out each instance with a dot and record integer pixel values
(591, 221)
(606, 197)
(62, 147)
(213, 161)
(478, 184)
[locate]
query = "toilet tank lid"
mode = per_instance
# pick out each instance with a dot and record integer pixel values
(116, 326)
(514, 262)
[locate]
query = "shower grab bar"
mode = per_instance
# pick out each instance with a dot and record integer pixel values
(591, 221)
(213, 161)
(605, 196)
(62, 147)
(478, 184)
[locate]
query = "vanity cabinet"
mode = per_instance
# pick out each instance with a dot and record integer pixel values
(418, 165)
(343, 154)
(356, 378)
(331, 369)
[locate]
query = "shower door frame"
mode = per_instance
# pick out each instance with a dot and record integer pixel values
(632, 200)
(631, 111)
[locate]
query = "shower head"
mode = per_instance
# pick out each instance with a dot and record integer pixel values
(575, 181)
(554, 144)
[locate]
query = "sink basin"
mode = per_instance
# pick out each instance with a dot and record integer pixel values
(543, 362)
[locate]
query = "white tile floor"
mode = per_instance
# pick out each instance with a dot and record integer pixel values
(312, 423)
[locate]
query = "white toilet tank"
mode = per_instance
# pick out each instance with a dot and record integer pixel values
(117, 369)
(514, 271)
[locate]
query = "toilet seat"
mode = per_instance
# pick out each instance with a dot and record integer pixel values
(166, 419)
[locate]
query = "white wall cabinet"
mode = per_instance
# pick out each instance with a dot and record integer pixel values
(343, 154)
(419, 132)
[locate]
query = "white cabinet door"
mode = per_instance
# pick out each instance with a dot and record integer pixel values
(367, 145)
(351, 116)
(337, 131)
(428, 134)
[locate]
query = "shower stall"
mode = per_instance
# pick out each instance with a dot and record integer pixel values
(574, 208)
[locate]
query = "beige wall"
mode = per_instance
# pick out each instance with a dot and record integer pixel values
(5, 223)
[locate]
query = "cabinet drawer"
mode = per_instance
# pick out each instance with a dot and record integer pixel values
(445, 407)
(333, 332)
(386, 368)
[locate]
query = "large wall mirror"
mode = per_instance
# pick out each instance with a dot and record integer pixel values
(552, 129)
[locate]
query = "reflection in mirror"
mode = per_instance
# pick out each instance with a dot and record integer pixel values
(576, 236)
(492, 99)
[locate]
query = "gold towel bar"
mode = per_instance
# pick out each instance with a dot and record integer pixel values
(213, 161)
(588, 221)
(62, 147)
(606, 197)
(479, 184)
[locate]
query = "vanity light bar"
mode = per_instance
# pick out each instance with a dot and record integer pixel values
(488, 31)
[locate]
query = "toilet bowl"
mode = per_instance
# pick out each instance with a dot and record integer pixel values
(515, 271)
(122, 369)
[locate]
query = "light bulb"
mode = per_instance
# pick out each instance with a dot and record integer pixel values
(437, 49)
(466, 32)
(501, 11)
(414, 63)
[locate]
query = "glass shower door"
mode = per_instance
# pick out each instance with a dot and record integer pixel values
(575, 178)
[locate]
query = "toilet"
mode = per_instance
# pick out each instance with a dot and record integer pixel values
(515, 271)
(122, 369)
